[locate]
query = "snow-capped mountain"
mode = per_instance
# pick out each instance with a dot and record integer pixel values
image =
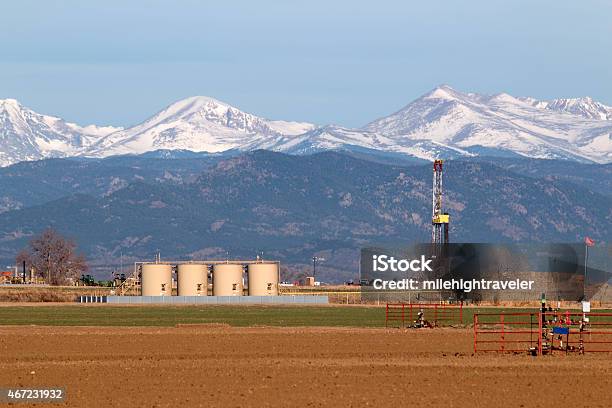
(199, 124)
(442, 123)
(357, 140)
(585, 107)
(27, 135)
(499, 124)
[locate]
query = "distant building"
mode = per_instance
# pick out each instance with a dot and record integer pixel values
(6, 276)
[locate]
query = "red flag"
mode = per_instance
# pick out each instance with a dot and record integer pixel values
(589, 242)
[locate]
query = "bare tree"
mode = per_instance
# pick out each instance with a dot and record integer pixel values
(53, 257)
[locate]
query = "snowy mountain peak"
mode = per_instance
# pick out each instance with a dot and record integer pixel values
(585, 107)
(27, 135)
(192, 105)
(500, 124)
(200, 108)
(504, 98)
(9, 102)
(444, 92)
(199, 123)
(12, 110)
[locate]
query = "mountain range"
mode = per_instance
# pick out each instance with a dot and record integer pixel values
(443, 123)
(291, 207)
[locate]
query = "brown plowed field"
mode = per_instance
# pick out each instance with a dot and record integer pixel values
(217, 366)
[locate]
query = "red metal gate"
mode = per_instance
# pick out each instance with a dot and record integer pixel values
(506, 332)
(543, 333)
(438, 314)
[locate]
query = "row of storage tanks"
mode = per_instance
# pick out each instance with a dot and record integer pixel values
(227, 279)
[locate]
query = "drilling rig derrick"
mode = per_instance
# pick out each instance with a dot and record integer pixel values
(439, 219)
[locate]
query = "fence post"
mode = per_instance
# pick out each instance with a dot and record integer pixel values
(387, 316)
(436, 315)
(411, 318)
(475, 330)
(531, 330)
(540, 333)
(501, 320)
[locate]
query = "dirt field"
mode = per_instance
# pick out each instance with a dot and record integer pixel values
(218, 366)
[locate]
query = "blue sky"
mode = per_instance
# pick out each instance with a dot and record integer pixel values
(343, 62)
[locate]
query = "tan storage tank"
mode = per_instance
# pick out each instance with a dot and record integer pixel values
(192, 280)
(263, 279)
(227, 279)
(156, 280)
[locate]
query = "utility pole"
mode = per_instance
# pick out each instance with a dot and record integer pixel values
(314, 267)
(588, 242)
(48, 268)
(586, 260)
(315, 259)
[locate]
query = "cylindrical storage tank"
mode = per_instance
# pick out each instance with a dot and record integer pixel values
(263, 279)
(156, 280)
(192, 280)
(227, 279)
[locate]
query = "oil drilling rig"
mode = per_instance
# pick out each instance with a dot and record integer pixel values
(439, 218)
